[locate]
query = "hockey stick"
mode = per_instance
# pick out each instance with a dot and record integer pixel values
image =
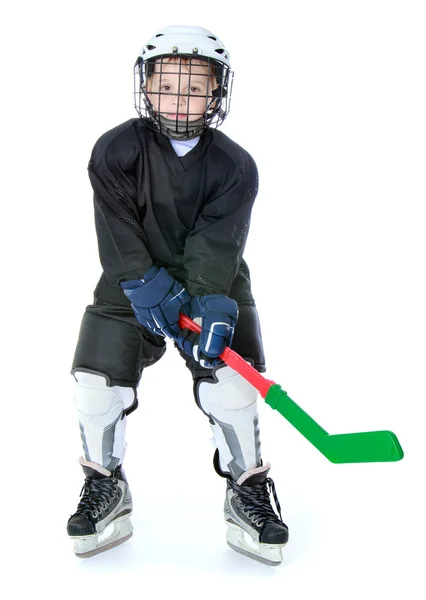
(368, 446)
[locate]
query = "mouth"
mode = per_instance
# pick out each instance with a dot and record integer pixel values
(179, 116)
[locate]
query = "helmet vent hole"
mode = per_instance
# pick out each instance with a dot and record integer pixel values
(212, 38)
(220, 50)
(151, 47)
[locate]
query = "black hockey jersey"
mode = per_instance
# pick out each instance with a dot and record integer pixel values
(190, 215)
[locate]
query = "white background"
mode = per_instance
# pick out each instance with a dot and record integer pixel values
(329, 98)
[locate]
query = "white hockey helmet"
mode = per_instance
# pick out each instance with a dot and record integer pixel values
(189, 43)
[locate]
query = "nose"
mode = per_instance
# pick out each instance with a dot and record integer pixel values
(179, 100)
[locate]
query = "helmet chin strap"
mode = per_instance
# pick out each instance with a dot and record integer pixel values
(181, 130)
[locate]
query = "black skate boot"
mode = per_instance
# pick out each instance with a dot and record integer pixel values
(102, 518)
(254, 529)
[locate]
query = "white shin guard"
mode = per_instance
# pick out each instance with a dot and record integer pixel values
(102, 419)
(231, 404)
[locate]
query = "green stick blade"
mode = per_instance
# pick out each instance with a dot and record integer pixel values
(368, 446)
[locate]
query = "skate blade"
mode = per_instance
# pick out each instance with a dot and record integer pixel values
(115, 533)
(240, 541)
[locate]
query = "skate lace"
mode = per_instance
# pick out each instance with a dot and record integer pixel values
(257, 502)
(96, 494)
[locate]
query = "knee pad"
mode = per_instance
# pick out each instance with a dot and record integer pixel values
(101, 413)
(230, 402)
(229, 392)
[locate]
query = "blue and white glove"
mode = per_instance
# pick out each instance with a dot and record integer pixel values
(218, 315)
(157, 301)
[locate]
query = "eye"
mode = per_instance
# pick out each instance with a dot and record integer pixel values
(165, 88)
(195, 90)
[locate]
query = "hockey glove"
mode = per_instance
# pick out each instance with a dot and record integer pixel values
(157, 300)
(218, 315)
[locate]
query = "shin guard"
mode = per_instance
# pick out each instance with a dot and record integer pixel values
(102, 416)
(230, 403)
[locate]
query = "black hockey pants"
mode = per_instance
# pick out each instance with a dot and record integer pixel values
(111, 342)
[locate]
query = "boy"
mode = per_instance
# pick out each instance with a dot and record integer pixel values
(173, 198)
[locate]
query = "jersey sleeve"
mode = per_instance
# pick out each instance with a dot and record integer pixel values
(214, 248)
(122, 244)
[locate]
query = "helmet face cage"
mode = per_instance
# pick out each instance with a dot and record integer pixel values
(182, 95)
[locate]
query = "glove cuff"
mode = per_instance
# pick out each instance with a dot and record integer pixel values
(150, 290)
(218, 303)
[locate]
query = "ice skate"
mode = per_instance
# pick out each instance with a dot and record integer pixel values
(102, 519)
(254, 528)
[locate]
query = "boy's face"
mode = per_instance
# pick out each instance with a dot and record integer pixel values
(182, 95)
